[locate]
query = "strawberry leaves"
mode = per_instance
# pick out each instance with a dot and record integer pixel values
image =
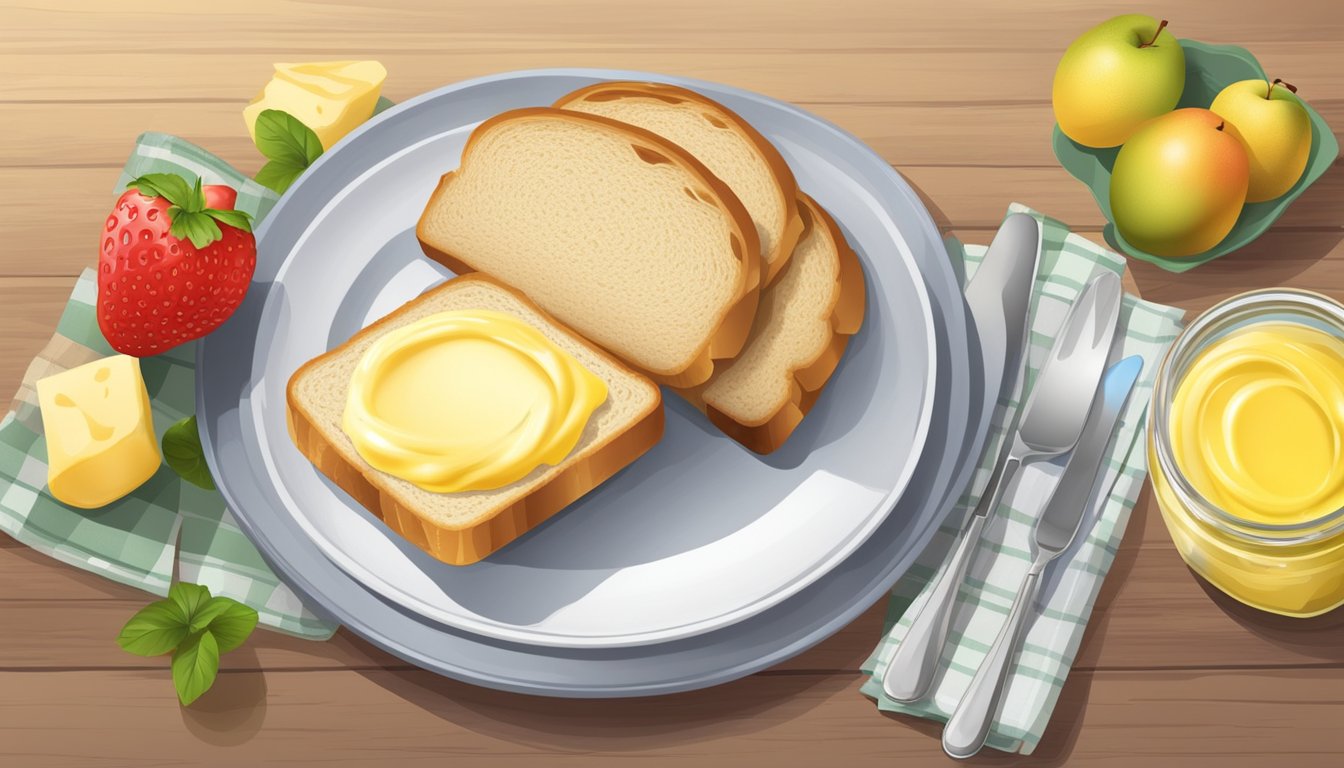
(289, 146)
(196, 628)
(236, 219)
(191, 219)
(169, 186)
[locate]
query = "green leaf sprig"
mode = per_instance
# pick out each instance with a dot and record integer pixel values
(189, 218)
(182, 452)
(196, 628)
(289, 146)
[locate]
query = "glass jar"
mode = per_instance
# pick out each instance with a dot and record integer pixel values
(1293, 569)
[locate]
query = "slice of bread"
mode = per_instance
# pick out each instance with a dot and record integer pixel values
(462, 528)
(803, 325)
(617, 232)
(732, 150)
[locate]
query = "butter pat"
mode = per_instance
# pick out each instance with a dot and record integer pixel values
(468, 400)
(330, 97)
(100, 435)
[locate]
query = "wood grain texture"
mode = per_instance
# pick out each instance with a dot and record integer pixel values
(1011, 135)
(284, 717)
(954, 95)
(971, 199)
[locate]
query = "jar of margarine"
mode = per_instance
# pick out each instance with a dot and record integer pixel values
(1246, 449)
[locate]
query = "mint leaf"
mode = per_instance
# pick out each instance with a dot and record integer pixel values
(196, 627)
(288, 144)
(155, 629)
(278, 176)
(231, 623)
(189, 597)
(236, 219)
(283, 138)
(195, 665)
(182, 452)
(208, 612)
(169, 186)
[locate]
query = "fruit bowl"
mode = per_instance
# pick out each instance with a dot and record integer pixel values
(1208, 69)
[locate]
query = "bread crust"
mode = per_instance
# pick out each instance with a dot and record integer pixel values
(733, 324)
(466, 544)
(846, 317)
(783, 176)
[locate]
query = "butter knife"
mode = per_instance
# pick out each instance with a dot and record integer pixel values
(1057, 527)
(999, 297)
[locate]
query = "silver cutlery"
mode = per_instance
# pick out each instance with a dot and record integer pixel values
(1049, 425)
(1055, 531)
(999, 297)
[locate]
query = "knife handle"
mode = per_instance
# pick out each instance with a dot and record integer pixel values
(909, 675)
(968, 728)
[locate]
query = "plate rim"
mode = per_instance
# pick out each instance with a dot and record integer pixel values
(317, 595)
(390, 590)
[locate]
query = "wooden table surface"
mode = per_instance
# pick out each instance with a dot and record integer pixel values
(954, 94)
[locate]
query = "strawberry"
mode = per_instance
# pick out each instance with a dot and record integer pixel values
(175, 263)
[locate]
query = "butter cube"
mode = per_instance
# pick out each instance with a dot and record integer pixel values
(100, 434)
(330, 97)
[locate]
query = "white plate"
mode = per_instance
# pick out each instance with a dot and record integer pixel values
(691, 538)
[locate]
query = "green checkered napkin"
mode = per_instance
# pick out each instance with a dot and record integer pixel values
(1068, 262)
(136, 540)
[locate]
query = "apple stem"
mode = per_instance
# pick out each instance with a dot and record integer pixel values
(1221, 124)
(1160, 27)
(1270, 92)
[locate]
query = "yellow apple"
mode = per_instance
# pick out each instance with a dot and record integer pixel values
(1114, 77)
(1179, 183)
(1275, 129)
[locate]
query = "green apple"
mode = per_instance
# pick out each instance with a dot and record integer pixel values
(1179, 183)
(1115, 77)
(1274, 127)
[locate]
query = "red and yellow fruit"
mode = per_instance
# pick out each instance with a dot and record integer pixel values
(1179, 183)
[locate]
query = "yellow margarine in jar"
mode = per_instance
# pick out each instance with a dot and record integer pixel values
(1258, 423)
(468, 400)
(1247, 449)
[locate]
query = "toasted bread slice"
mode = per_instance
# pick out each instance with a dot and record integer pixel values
(728, 145)
(618, 233)
(461, 528)
(803, 325)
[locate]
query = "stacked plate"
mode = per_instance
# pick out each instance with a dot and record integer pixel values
(699, 563)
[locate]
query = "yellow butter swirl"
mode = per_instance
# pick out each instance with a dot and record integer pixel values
(468, 400)
(1258, 423)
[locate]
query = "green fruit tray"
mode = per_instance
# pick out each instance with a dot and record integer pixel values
(1208, 69)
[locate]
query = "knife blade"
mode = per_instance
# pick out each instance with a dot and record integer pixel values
(998, 298)
(1056, 528)
(1060, 522)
